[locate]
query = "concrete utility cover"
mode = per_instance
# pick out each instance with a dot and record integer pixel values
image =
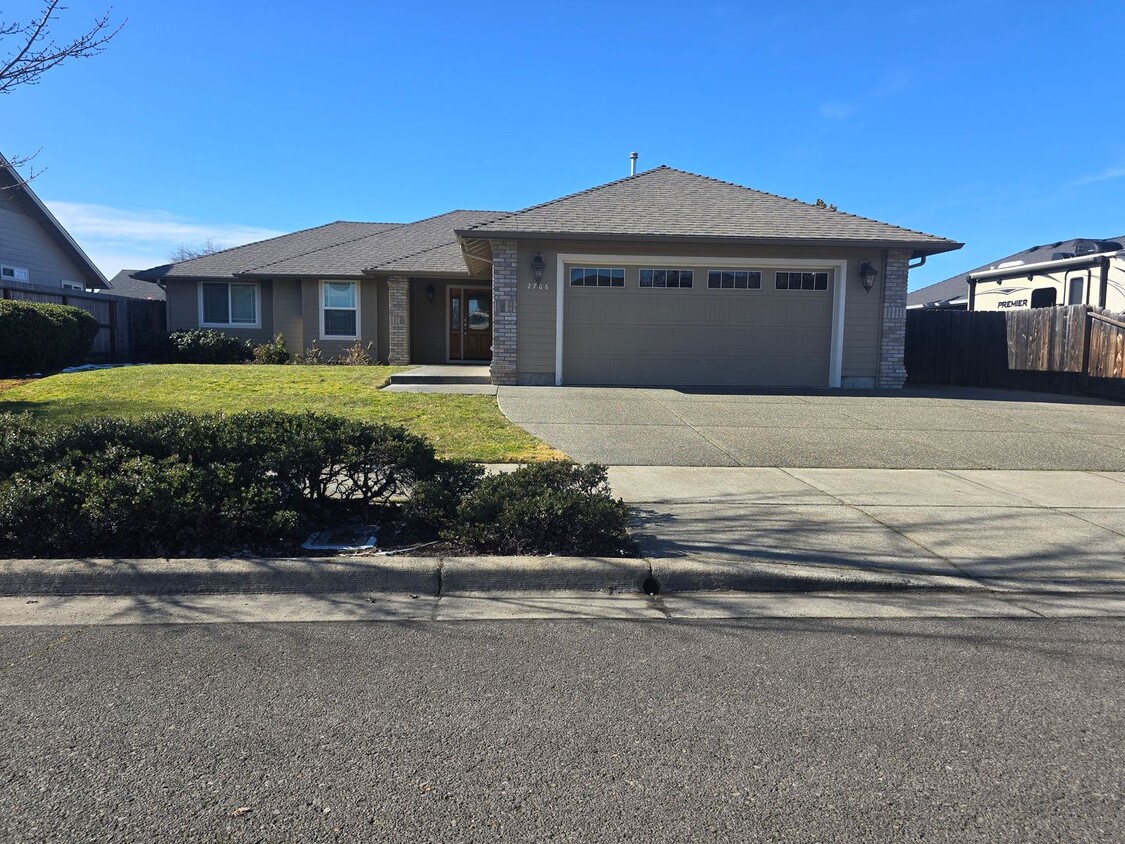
(934, 428)
(362, 538)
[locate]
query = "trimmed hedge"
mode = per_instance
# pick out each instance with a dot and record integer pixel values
(543, 508)
(195, 346)
(179, 484)
(38, 337)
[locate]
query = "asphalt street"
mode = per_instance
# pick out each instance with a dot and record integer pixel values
(958, 730)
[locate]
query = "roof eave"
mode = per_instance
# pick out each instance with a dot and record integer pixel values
(920, 247)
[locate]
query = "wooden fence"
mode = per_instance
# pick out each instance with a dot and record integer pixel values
(120, 320)
(1072, 349)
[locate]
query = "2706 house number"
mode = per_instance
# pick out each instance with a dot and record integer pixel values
(538, 285)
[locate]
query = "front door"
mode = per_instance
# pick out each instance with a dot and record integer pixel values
(470, 324)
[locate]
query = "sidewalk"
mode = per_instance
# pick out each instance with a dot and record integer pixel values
(724, 529)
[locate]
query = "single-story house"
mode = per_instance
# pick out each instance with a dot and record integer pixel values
(953, 293)
(661, 278)
(37, 255)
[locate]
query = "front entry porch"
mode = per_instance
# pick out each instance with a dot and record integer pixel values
(442, 321)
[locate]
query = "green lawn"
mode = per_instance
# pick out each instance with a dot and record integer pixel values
(467, 427)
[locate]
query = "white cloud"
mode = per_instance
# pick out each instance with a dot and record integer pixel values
(117, 238)
(1104, 176)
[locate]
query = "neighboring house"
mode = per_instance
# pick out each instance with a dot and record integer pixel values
(123, 284)
(953, 293)
(36, 252)
(665, 277)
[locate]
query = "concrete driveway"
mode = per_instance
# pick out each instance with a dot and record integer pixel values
(933, 428)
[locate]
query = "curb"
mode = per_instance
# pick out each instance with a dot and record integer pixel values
(432, 576)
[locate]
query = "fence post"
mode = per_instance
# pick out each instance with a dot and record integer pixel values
(113, 330)
(1087, 334)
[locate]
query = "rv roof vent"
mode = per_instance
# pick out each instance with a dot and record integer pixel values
(1082, 246)
(1006, 264)
(1058, 256)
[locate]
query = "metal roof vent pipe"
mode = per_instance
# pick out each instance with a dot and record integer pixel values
(633, 163)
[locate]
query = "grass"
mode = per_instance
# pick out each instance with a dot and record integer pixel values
(464, 427)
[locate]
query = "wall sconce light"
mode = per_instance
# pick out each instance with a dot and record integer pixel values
(537, 267)
(867, 275)
(430, 293)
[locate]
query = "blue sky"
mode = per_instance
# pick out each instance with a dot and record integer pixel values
(993, 123)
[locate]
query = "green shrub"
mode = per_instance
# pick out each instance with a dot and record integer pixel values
(183, 484)
(272, 353)
(545, 508)
(38, 337)
(433, 503)
(195, 346)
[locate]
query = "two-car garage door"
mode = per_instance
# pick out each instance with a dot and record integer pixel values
(699, 336)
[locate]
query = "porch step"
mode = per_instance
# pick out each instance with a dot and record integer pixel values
(443, 375)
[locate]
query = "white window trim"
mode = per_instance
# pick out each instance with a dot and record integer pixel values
(16, 274)
(839, 289)
(232, 326)
(321, 309)
(73, 285)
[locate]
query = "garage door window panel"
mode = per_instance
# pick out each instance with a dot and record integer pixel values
(597, 276)
(650, 277)
(734, 280)
(800, 280)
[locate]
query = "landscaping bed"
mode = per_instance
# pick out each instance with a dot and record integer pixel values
(192, 485)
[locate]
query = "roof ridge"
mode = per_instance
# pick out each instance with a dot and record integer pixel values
(263, 240)
(391, 227)
(801, 202)
(571, 196)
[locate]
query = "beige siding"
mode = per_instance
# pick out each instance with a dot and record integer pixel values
(700, 321)
(287, 319)
(368, 318)
(183, 311)
(25, 243)
(429, 340)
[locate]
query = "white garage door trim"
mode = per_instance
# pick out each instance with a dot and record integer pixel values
(836, 348)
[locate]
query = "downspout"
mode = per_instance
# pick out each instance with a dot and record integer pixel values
(1104, 292)
(921, 261)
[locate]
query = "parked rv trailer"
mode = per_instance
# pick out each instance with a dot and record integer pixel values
(1095, 277)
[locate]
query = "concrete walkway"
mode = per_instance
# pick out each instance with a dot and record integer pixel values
(1004, 529)
(933, 428)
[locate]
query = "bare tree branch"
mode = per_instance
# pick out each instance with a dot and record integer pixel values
(185, 252)
(36, 52)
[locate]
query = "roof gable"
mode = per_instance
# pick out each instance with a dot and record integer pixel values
(675, 204)
(10, 181)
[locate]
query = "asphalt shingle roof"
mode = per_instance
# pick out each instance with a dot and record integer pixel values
(247, 258)
(957, 287)
(123, 284)
(425, 246)
(665, 202)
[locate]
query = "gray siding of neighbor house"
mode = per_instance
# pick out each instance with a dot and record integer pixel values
(731, 325)
(429, 339)
(287, 319)
(24, 243)
(368, 317)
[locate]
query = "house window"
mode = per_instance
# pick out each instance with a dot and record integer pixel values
(666, 278)
(340, 307)
(734, 280)
(230, 304)
(72, 285)
(793, 280)
(8, 273)
(597, 277)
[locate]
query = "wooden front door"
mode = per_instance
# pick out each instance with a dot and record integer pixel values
(470, 324)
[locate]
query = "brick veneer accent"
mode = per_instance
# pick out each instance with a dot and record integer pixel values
(892, 342)
(505, 281)
(398, 308)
